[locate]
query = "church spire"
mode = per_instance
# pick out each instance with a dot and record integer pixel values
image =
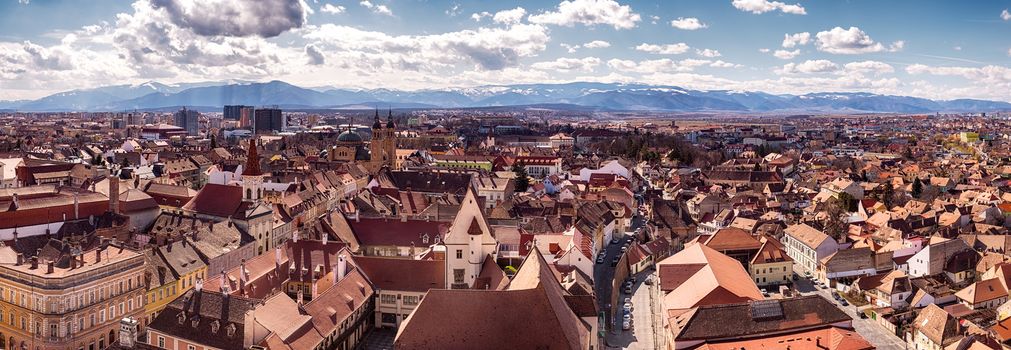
(389, 120)
(252, 160)
(377, 124)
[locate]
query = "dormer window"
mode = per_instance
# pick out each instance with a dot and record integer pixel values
(230, 330)
(424, 238)
(214, 327)
(182, 318)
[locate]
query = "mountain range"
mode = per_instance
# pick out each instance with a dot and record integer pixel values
(577, 95)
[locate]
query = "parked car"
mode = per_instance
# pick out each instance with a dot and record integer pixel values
(843, 302)
(836, 296)
(627, 307)
(626, 324)
(614, 262)
(600, 259)
(628, 300)
(765, 293)
(628, 289)
(649, 280)
(627, 316)
(862, 315)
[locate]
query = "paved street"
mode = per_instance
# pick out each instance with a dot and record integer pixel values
(877, 335)
(645, 322)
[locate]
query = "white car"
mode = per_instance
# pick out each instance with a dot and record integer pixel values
(626, 325)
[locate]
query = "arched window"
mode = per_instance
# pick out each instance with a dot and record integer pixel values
(249, 193)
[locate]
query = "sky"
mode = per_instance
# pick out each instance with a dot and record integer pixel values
(933, 49)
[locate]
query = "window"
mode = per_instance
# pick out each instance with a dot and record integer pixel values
(191, 347)
(161, 342)
(459, 253)
(458, 275)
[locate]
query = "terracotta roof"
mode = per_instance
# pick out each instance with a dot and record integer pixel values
(699, 275)
(732, 238)
(937, 325)
(807, 235)
(409, 275)
(216, 200)
(982, 291)
(755, 319)
(532, 313)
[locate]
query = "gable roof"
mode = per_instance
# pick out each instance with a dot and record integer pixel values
(706, 277)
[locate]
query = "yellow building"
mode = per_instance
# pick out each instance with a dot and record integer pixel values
(174, 269)
(968, 137)
(74, 301)
(771, 266)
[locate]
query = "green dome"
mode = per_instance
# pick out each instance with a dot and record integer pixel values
(349, 136)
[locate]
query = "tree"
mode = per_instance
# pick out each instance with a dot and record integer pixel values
(522, 179)
(888, 194)
(917, 188)
(835, 218)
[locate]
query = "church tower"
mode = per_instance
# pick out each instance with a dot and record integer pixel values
(384, 143)
(252, 177)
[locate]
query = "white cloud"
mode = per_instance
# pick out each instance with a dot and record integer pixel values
(664, 65)
(510, 16)
(569, 48)
(786, 54)
(791, 40)
(597, 44)
(763, 50)
(667, 49)
(380, 9)
(873, 67)
(315, 55)
(332, 9)
(1003, 15)
(850, 41)
(689, 23)
(589, 13)
(763, 6)
(957, 48)
(488, 48)
(453, 11)
(654, 19)
(1009, 52)
(480, 15)
(708, 53)
(586, 64)
(810, 66)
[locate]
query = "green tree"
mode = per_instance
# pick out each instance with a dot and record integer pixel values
(888, 194)
(917, 188)
(522, 179)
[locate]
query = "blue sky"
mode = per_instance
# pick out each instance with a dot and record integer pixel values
(934, 49)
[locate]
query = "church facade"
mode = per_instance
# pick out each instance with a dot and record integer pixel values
(381, 150)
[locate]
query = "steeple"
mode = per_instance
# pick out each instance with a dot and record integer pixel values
(389, 120)
(252, 167)
(377, 124)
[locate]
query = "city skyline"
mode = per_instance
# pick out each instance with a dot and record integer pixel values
(940, 50)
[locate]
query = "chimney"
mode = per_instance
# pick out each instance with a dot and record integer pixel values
(35, 262)
(277, 256)
(199, 285)
(168, 247)
(326, 237)
(15, 199)
(77, 207)
(294, 236)
(242, 275)
(342, 267)
(113, 194)
(49, 267)
(21, 260)
(226, 286)
(98, 255)
(73, 262)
